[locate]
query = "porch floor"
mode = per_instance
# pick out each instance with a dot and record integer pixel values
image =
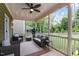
(53, 52)
(32, 49)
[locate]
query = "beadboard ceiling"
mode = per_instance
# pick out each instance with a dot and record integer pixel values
(46, 8)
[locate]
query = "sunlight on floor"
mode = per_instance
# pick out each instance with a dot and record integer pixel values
(29, 47)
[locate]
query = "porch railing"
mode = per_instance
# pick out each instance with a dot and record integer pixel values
(60, 43)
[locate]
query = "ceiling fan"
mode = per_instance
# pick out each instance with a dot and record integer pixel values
(32, 7)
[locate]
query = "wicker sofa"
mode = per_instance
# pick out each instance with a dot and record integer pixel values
(42, 41)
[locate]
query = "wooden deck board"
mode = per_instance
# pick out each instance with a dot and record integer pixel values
(53, 52)
(46, 50)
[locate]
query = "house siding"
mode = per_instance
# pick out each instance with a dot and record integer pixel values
(3, 11)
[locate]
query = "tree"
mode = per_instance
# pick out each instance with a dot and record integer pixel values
(38, 27)
(76, 22)
(77, 14)
(64, 23)
(52, 28)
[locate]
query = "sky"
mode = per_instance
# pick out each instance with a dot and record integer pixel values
(63, 12)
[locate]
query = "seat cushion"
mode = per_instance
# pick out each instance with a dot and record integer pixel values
(37, 39)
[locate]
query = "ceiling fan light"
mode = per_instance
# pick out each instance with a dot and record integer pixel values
(31, 10)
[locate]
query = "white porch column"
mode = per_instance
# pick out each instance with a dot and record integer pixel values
(69, 48)
(35, 25)
(25, 33)
(49, 26)
(40, 29)
(43, 28)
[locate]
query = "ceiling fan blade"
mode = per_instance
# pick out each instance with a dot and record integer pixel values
(36, 10)
(38, 5)
(28, 4)
(31, 4)
(30, 11)
(25, 8)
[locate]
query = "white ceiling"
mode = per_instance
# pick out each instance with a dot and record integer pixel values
(18, 13)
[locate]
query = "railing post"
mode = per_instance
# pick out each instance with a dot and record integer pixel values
(69, 47)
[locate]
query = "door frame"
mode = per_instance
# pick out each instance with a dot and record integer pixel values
(6, 40)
